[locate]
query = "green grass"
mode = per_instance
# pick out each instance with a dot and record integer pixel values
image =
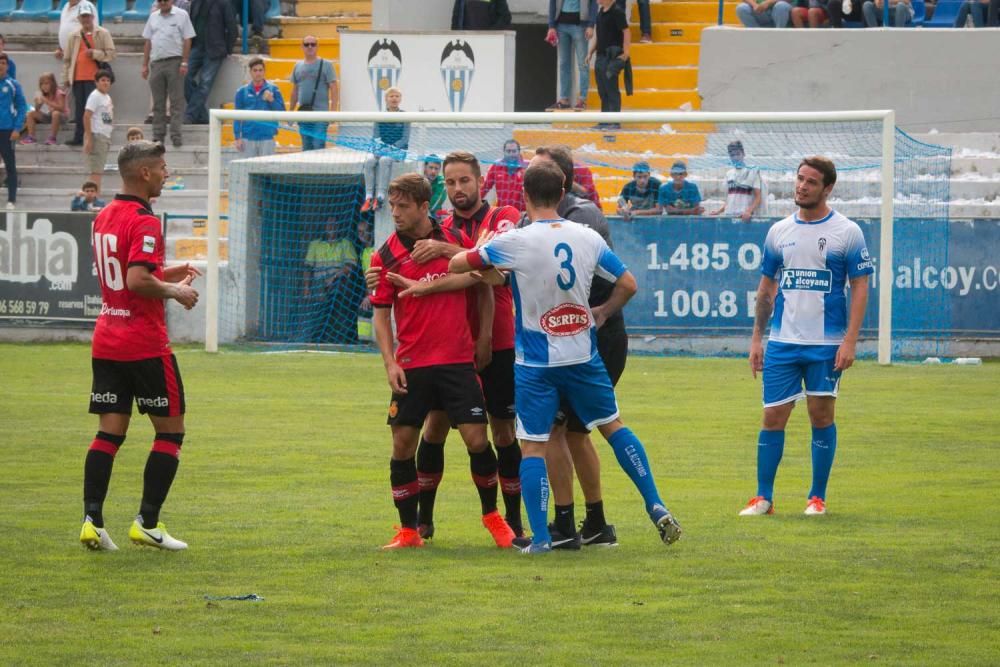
(283, 491)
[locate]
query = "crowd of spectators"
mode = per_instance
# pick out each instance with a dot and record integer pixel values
(867, 13)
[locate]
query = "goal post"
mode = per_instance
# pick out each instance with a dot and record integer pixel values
(863, 144)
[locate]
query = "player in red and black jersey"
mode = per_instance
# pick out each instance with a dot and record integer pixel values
(431, 371)
(132, 360)
(494, 348)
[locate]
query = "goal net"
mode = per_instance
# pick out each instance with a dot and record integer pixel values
(287, 270)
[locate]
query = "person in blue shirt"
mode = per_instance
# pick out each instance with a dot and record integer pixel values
(639, 196)
(681, 196)
(256, 138)
(13, 112)
(86, 199)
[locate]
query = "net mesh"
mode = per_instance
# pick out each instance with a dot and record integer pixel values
(301, 232)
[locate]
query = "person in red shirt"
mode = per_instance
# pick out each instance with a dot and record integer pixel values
(132, 359)
(475, 218)
(507, 176)
(430, 371)
(583, 180)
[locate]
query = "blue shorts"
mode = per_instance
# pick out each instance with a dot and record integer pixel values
(537, 392)
(786, 366)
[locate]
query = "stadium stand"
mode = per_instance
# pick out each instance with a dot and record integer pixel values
(115, 9)
(945, 13)
(31, 10)
(7, 8)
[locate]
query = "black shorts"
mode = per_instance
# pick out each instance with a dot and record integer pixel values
(612, 345)
(498, 384)
(453, 388)
(154, 384)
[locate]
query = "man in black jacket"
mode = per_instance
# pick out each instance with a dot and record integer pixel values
(215, 27)
(480, 15)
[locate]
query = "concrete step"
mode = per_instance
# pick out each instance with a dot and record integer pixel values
(58, 199)
(664, 78)
(291, 48)
(691, 11)
(333, 8)
(627, 146)
(70, 176)
(650, 99)
(293, 27)
(665, 54)
(681, 33)
(985, 142)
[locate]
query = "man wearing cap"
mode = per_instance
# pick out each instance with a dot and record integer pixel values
(88, 49)
(681, 196)
(639, 196)
(743, 187)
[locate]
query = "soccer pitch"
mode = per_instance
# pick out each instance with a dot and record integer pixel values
(283, 491)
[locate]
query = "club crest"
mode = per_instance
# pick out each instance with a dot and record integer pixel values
(458, 65)
(385, 62)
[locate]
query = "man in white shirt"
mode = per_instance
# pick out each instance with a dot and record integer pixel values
(168, 34)
(744, 186)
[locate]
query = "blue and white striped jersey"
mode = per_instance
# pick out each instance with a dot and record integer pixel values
(553, 263)
(812, 262)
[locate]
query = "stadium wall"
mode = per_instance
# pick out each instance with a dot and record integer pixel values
(941, 79)
(130, 91)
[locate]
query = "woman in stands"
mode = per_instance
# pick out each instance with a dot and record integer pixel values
(50, 107)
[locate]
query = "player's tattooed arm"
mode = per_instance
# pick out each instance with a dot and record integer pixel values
(141, 280)
(767, 289)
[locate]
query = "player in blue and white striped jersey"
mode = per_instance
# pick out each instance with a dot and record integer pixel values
(553, 262)
(809, 259)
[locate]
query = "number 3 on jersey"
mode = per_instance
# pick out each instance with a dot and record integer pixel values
(109, 269)
(567, 264)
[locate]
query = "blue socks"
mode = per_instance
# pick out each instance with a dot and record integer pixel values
(770, 447)
(631, 457)
(535, 491)
(824, 446)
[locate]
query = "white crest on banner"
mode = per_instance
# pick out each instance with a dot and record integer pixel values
(385, 62)
(458, 65)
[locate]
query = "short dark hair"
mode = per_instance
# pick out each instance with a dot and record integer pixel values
(562, 156)
(512, 141)
(465, 157)
(256, 61)
(544, 184)
(138, 151)
(411, 185)
(3, 57)
(104, 74)
(823, 165)
(89, 185)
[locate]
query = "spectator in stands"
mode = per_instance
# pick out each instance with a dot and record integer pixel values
(764, 13)
(86, 199)
(640, 196)
(330, 264)
(744, 186)
(390, 141)
(507, 176)
(69, 22)
(50, 108)
(215, 34)
(98, 122)
(612, 56)
(645, 19)
(89, 49)
(13, 111)
(256, 138)
(168, 34)
(583, 182)
(993, 15)
(258, 12)
(810, 13)
(432, 172)
(314, 88)
(976, 9)
(844, 10)
(12, 68)
(571, 25)
(680, 196)
(480, 15)
(900, 13)
(134, 134)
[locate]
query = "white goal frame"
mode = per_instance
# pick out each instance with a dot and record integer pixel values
(887, 117)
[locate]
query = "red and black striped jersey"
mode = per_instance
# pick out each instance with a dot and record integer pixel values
(432, 329)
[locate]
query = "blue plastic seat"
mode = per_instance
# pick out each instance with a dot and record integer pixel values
(919, 12)
(113, 9)
(7, 8)
(945, 14)
(273, 10)
(56, 13)
(32, 9)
